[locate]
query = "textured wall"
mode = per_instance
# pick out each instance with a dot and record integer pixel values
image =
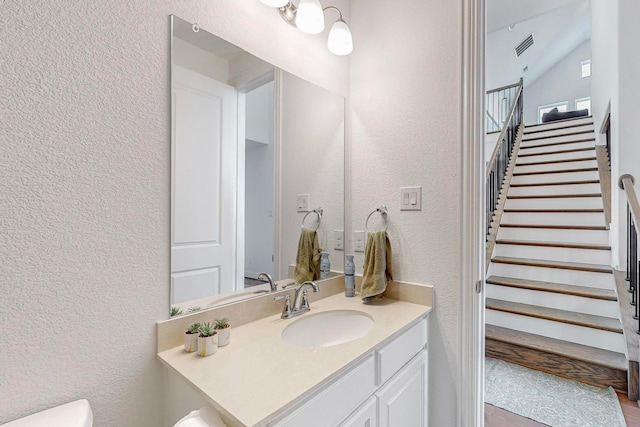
(627, 153)
(405, 131)
(561, 83)
(84, 185)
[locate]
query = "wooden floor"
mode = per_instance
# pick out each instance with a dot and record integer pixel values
(497, 417)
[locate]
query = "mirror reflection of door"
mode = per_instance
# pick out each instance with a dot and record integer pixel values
(259, 183)
(204, 188)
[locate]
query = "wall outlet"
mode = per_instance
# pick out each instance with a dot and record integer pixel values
(338, 240)
(359, 239)
(303, 203)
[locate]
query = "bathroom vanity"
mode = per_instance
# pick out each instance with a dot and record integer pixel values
(261, 379)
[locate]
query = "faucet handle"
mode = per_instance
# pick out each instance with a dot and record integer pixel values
(305, 300)
(286, 310)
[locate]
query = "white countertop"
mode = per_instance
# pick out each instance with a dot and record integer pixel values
(259, 375)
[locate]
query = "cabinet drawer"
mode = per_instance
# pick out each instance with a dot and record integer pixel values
(336, 401)
(398, 352)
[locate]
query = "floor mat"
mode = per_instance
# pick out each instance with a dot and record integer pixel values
(548, 399)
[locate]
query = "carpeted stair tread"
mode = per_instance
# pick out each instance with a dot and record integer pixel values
(561, 122)
(558, 288)
(556, 227)
(545, 184)
(562, 135)
(553, 314)
(607, 358)
(553, 144)
(550, 162)
(532, 128)
(569, 245)
(560, 210)
(595, 169)
(555, 196)
(547, 153)
(575, 266)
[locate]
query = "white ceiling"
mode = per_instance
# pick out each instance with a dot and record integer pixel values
(558, 27)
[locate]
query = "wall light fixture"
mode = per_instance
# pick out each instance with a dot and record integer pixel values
(308, 17)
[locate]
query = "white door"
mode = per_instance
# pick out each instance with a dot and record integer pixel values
(203, 188)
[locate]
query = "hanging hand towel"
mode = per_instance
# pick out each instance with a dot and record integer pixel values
(308, 258)
(377, 265)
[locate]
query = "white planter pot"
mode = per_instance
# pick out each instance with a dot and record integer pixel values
(190, 342)
(207, 345)
(223, 336)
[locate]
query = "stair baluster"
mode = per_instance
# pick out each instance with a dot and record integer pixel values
(626, 183)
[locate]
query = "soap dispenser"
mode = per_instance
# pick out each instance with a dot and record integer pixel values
(349, 277)
(325, 266)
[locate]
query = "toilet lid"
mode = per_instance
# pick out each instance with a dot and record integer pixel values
(72, 414)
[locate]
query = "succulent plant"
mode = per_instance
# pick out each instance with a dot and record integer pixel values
(221, 323)
(194, 309)
(194, 329)
(175, 311)
(207, 330)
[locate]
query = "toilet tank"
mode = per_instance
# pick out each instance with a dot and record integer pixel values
(72, 414)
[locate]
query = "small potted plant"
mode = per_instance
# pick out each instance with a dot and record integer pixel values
(191, 338)
(224, 328)
(175, 311)
(207, 340)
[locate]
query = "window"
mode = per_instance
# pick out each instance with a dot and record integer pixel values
(561, 106)
(585, 68)
(584, 103)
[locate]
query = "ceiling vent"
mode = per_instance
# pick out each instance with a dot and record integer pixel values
(524, 45)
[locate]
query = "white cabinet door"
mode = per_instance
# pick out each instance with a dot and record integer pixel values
(403, 400)
(203, 187)
(365, 416)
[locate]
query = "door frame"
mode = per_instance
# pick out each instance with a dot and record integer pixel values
(472, 218)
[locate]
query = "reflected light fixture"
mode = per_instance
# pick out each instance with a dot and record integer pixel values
(308, 17)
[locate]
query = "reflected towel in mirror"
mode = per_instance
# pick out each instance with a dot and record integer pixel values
(308, 257)
(377, 265)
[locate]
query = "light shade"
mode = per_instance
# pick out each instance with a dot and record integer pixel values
(340, 41)
(275, 3)
(310, 17)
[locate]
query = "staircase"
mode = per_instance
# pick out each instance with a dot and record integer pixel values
(551, 302)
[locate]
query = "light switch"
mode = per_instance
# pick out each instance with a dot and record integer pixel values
(359, 237)
(411, 198)
(338, 240)
(303, 202)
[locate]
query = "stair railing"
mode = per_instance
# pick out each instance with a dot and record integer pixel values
(497, 165)
(492, 124)
(497, 105)
(626, 183)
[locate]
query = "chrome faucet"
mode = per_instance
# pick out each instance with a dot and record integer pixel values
(267, 276)
(300, 301)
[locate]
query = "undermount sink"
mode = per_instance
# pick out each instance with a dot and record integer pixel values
(328, 328)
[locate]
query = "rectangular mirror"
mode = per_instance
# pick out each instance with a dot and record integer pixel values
(254, 150)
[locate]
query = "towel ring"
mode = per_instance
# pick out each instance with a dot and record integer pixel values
(385, 216)
(317, 211)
